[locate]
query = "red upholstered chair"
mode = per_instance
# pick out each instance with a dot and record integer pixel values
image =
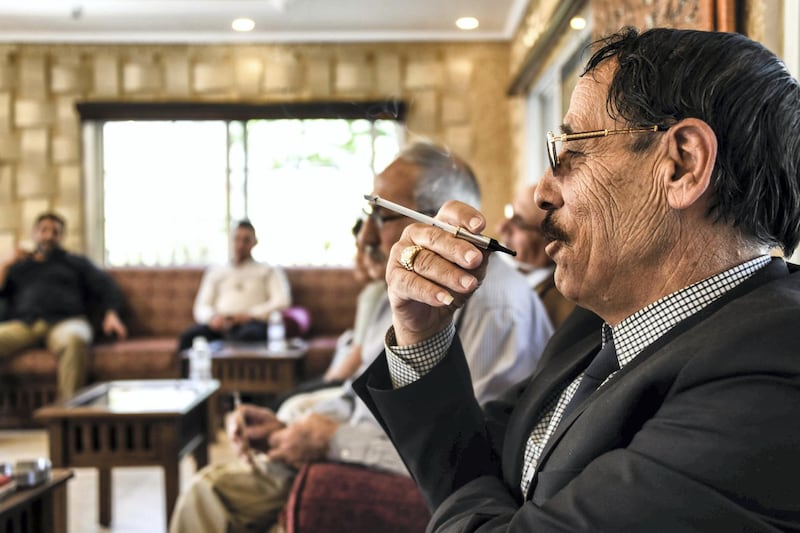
(335, 497)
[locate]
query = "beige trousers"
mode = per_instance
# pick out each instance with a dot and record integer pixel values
(236, 498)
(69, 339)
(232, 497)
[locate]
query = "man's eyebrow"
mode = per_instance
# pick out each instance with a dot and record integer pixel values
(566, 128)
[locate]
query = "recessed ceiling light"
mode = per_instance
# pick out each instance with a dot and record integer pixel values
(577, 23)
(467, 23)
(243, 24)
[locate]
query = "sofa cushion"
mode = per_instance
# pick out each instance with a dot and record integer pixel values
(130, 359)
(32, 362)
(138, 358)
(356, 498)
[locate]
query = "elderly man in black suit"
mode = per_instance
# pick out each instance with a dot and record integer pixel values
(669, 400)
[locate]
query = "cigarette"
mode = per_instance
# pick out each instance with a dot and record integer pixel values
(251, 457)
(481, 241)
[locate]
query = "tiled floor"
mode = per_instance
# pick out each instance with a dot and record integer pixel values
(138, 493)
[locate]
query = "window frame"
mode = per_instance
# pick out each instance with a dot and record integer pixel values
(545, 105)
(94, 115)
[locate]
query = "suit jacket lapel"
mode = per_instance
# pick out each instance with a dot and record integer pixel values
(565, 356)
(774, 270)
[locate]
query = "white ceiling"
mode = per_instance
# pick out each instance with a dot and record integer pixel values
(276, 20)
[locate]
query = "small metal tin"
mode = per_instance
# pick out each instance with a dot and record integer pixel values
(31, 473)
(8, 485)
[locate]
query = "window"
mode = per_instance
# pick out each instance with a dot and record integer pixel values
(548, 100)
(168, 192)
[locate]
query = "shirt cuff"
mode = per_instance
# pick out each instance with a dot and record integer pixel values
(409, 363)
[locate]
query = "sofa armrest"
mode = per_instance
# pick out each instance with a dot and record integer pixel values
(356, 499)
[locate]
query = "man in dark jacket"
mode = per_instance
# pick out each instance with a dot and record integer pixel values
(673, 405)
(50, 294)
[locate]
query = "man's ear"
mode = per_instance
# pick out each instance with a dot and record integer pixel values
(692, 152)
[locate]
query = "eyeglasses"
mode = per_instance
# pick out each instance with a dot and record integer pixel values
(552, 139)
(380, 219)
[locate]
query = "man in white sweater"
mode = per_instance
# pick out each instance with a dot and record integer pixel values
(235, 300)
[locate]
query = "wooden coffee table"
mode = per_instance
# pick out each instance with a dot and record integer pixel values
(131, 423)
(252, 369)
(39, 508)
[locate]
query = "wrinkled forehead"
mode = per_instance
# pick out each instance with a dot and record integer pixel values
(587, 106)
(397, 183)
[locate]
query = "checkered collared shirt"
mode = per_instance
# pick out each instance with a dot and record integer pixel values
(631, 337)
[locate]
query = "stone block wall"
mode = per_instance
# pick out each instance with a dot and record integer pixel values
(455, 94)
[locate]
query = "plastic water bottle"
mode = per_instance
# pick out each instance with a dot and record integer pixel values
(276, 332)
(200, 359)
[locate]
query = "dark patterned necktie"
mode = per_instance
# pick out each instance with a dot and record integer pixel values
(602, 366)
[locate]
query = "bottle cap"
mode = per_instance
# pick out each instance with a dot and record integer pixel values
(199, 343)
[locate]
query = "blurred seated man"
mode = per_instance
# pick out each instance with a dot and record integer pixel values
(347, 357)
(368, 270)
(503, 330)
(521, 230)
(51, 293)
(235, 300)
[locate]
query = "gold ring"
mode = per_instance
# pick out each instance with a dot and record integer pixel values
(408, 255)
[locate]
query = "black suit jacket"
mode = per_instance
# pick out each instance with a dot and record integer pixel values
(698, 433)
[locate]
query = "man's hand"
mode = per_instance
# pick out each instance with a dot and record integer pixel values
(219, 323)
(112, 325)
(446, 272)
(239, 319)
(304, 441)
(251, 426)
(16, 255)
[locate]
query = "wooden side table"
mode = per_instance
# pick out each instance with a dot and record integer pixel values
(131, 423)
(250, 368)
(39, 508)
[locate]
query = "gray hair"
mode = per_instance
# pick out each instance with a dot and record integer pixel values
(443, 176)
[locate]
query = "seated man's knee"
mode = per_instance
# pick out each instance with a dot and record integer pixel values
(16, 335)
(70, 335)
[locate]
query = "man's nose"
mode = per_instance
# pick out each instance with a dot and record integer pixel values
(368, 234)
(547, 195)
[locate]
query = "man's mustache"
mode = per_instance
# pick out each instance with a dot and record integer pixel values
(551, 231)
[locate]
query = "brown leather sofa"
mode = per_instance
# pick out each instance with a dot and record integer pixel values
(158, 307)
